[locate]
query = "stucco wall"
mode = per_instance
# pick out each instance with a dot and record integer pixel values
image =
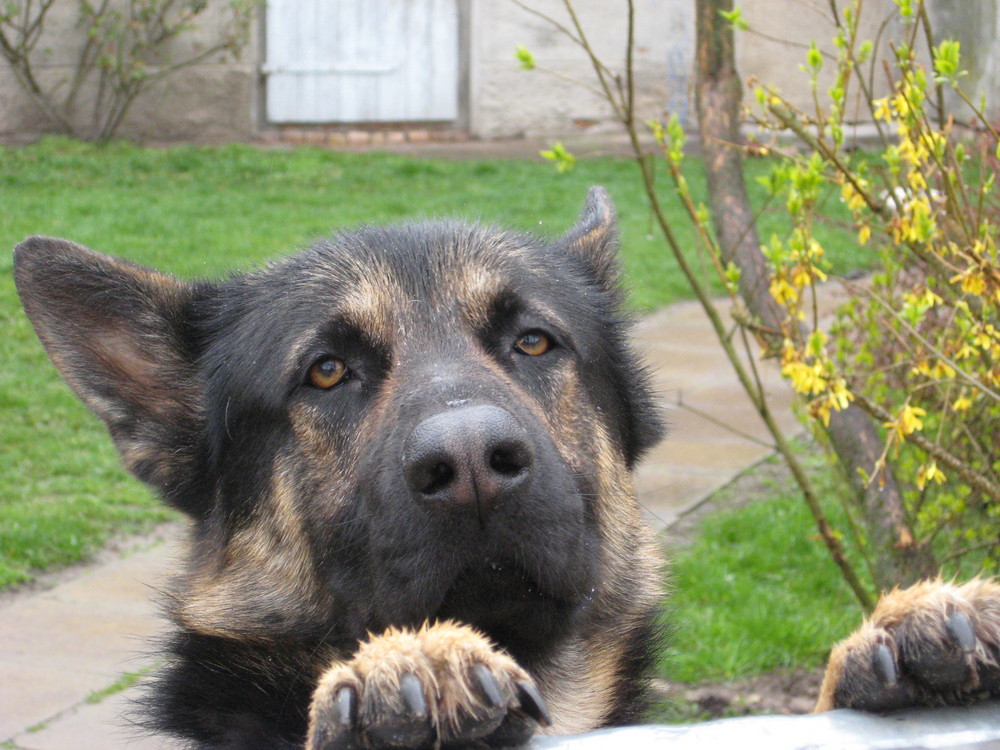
(221, 99)
(215, 100)
(508, 101)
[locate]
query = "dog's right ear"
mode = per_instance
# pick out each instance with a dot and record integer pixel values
(595, 236)
(119, 334)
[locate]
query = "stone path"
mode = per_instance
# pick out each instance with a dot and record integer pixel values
(76, 640)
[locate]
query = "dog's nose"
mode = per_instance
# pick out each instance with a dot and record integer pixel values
(467, 458)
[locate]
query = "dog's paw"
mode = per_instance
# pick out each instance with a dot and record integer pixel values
(442, 685)
(933, 643)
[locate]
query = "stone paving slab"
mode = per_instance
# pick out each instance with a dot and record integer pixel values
(60, 646)
(713, 430)
(99, 726)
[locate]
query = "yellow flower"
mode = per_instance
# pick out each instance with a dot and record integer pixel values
(801, 276)
(882, 109)
(916, 179)
(909, 421)
(972, 281)
(783, 292)
(900, 105)
(851, 197)
(962, 403)
(920, 226)
(840, 397)
(836, 399)
(805, 378)
(941, 370)
(982, 336)
(864, 234)
(929, 473)
(966, 351)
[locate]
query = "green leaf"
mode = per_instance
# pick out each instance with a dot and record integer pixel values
(946, 60)
(733, 273)
(676, 139)
(563, 159)
(735, 17)
(525, 57)
(814, 58)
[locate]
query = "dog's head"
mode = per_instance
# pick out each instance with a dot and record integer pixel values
(398, 424)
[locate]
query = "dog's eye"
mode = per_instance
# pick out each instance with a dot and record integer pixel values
(327, 372)
(533, 343)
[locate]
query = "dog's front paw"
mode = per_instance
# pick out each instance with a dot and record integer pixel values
(444, 684)
(933, 643)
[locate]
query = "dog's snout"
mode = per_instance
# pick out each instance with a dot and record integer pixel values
(467, 458)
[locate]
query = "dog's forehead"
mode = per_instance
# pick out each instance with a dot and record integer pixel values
(418, 285)
(380, 278)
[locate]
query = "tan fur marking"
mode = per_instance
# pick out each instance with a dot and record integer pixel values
(631, 561)
(578, 691)
(265, 568)
(370, 304)
(474, 289)
(864, 637)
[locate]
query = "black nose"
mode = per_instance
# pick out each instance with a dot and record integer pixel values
(467, 458)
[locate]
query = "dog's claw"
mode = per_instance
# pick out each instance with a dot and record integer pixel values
(487, 685)
(960, 628)
(412, 693)
(532, 703)
(347, 707)
(884, 664)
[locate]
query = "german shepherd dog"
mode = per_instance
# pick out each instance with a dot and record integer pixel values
(406, 457)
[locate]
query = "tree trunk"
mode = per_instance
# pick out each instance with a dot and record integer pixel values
(853, 436)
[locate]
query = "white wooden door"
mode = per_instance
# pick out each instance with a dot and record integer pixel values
(362, 60)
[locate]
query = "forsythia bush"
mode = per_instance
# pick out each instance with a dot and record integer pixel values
(918, 346)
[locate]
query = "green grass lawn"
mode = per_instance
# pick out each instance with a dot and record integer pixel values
(756, 590)
(198, 211)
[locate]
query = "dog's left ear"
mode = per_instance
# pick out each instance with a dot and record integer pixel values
(595, 236)
(120, 335)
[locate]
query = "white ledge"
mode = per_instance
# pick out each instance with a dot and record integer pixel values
(975, 727)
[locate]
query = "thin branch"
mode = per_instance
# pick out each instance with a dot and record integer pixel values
(719, 423)
(965, 376)
(972, 478)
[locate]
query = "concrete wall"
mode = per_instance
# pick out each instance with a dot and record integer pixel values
(508, 101)
(977, 27)
(213, 101)
(789, 25)
(221, 99)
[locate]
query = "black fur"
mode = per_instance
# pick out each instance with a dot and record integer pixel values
(234, 358)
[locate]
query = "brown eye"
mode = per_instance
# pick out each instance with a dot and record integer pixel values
(327, 372)
(533, 343)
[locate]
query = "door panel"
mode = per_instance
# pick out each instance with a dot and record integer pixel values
(362, 60)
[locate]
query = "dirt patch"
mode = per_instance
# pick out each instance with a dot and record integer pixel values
(786, 692)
